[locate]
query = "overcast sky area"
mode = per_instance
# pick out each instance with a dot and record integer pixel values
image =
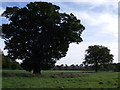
(100, 18)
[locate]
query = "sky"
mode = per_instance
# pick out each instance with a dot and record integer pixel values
(100, 18)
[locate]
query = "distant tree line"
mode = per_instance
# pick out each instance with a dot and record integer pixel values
(106, 67)
(66, 67)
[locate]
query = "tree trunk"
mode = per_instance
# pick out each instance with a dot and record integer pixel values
(96, 70)
(96, 66)
(36, 71)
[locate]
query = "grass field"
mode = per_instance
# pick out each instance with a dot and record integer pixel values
(59, 79)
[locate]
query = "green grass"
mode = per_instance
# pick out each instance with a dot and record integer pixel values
(85, 80)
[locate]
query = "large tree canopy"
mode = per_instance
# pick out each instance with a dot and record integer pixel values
(39, 34)
(97, 55)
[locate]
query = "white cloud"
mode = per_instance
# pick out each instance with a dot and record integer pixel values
(1, 10)
(108, 23)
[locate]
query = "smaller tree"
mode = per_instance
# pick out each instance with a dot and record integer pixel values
(97, 56)
(8, 63)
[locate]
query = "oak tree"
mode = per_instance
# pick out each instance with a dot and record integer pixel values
(39, 34)
(96, 56)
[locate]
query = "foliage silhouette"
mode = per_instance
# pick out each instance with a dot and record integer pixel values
(97, 56)
(39, 34)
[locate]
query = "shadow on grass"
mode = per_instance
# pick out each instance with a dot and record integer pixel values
(52, 75)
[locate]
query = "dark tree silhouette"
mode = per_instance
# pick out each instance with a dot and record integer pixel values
(39, 34)
(97, 55)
